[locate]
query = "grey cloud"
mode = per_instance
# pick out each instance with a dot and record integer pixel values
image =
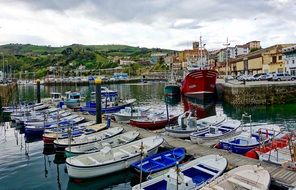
(189, 25)
(27, 39)
(183, 44)
(150, 11)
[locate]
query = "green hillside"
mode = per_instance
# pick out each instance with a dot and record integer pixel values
(35, 58)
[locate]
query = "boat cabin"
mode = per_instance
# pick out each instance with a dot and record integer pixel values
(73, 95)
(55, 96)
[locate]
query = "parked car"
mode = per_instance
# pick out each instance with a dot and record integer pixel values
(242, 77)
(257, 76)
(229, 77)
(282, 77)
(268, 77)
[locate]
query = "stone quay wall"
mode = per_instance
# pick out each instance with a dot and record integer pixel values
(259, 94)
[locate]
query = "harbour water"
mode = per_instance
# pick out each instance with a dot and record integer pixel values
(33, 166)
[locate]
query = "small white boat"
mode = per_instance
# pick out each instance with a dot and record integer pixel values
(127, 113)
(113, 142)
(285, 156)
(277, 156)
(217, 132)
(55, 96)
(90, 138)
(110, 160)
(50, 121)
(188, 124)
(193, 175)
(40, 116)
(247, 177)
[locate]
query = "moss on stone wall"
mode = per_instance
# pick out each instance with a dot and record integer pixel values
(262, 94)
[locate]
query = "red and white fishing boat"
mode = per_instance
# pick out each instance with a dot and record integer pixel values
(200, 80)
(276, 143)
(154, 122)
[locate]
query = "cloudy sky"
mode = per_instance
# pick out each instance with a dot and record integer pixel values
(170, 24)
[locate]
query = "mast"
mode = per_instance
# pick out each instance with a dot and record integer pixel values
(201, 56)
(226, 65)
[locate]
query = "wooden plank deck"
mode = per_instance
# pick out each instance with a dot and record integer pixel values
(280, 176)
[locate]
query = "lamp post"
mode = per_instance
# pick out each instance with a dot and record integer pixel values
(98, 82)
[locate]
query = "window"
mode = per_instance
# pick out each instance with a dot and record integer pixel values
(293, 61)
(280, 57)
(273, 59)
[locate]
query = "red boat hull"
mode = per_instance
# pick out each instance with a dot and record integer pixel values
(48, 140)
(199, 83)
(153, 125)
(276, 143)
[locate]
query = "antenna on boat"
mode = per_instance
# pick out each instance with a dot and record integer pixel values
(178, 173)
(167, 113)
(58, 125)
(142, 155)
(69, 137)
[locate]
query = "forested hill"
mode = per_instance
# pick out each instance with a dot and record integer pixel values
(35, 58)
(109, 50)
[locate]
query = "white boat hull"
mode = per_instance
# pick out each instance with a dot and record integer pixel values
(125, 118)
(95, 171)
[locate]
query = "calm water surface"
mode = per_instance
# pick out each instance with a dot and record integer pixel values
(32, 166)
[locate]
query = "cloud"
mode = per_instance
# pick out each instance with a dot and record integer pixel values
(149, 23)
(185, 24)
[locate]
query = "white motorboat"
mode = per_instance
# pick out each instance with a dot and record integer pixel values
(50, 121)
(90, 138)
(110, 160)
(193, 175)
(247, 177)
(188, 124)
(127, 113)
(113, 142)
(217, 132)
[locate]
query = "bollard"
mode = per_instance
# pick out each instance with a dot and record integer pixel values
(167, 112)
(98, 101)
(38, 91)
(108, 120)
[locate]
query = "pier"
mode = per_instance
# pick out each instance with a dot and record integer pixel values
(257, 92)
(281, 177)
(121, 81)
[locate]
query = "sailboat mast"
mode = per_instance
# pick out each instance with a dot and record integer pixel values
(226, 54)
(200, 44)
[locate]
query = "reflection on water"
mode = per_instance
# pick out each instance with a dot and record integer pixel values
(34, 166)
(200, 109)
(119, 180)
(172, 100)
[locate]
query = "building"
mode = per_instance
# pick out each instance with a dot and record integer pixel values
(266, 60)
(253, 45)
(195, 45)
(241, 50)
(289, 56)
(126, 62)
(156, 57)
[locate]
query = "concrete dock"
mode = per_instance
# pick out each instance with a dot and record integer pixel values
(257, 92)
(281, 177)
